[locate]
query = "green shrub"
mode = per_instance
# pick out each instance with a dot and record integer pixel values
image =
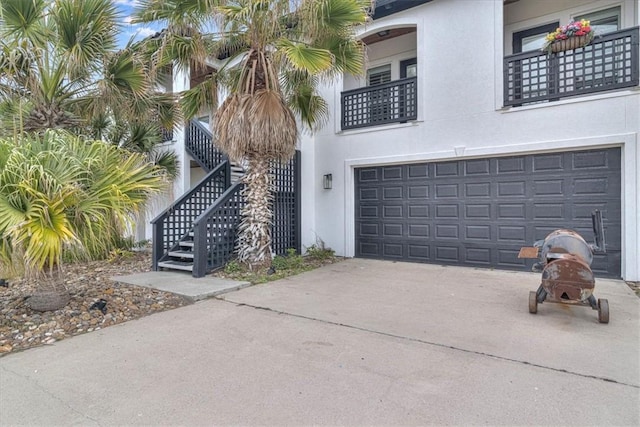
(232, 267)
(320, 252)
(291, 261)
(62, 197)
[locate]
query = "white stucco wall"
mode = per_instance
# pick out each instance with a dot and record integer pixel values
(460, 113)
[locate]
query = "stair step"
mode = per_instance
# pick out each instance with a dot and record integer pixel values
(186, 243)
(176, 265)
(181, 254)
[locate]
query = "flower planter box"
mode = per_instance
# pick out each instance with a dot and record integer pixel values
(569, 44)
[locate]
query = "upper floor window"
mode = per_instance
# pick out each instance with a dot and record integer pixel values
(532, 38)
(409, 68)
(379, 75)
(603, 21)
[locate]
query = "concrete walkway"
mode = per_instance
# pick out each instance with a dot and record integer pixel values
(183, 283)
(355, 343)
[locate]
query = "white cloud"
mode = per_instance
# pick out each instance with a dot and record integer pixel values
(145, 32)
(127, 19)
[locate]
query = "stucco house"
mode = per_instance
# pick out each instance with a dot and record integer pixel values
(464, 141)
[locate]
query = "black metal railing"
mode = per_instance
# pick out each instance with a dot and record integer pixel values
(199, 145)
(212, 209)
(285, 231)
(609, 62)
(176, 221)
(393, 102)
(215, 230)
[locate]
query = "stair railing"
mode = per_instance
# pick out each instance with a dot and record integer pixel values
(198, 143)
(177, 220)
(215, 231)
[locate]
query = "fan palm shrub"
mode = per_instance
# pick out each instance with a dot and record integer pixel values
(61, 195)
(274, 53)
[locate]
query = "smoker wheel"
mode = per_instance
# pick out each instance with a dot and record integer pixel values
(533, 302)
(603, 310)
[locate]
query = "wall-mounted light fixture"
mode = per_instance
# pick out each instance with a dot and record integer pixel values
(327, 181)
(383, 33)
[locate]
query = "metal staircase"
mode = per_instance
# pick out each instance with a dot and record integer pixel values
(197, 233)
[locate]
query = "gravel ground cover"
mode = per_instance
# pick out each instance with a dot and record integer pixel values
(88, 283)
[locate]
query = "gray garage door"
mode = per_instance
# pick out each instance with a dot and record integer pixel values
(481, 212)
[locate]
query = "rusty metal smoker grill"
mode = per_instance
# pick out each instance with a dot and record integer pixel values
(565, 259)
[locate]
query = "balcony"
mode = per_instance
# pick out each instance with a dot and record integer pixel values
(393, 102)
(610, 62)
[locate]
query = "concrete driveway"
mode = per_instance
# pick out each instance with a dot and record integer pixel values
(355, 343)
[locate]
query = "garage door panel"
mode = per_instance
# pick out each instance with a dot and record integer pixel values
(477, 167)
(447, 231)
(447, 254)
(367, 175)
(368, 212)
(418, 171)
(447, 211)
(392, 212)
(549, 211)
(478, 232)
(418, 212)
(368, 229)
(446, 169)
(595, 160)
(417, 192)
(477, 189)
(549, 187)
(477, 211)
(391, 250)
(369, 194)
(391, 230)
(478, 256)
(418, 252)
(511, 165)
(419, 231)
(508, 211)
(548, 162)
(512, 189)
(512, 234)
(369, 249)
(392, 173)
(508, 258)
(481, 211)
(393, 193)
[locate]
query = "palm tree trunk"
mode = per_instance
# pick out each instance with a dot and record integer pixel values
(254, 239)
(50, 294)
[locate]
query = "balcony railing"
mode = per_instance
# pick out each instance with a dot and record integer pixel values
(393, 102)
(610, 62)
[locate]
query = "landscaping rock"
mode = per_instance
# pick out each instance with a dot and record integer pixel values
(22, 327)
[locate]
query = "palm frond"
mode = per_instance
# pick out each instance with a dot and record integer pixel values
(24, 20)
(202, 97)
(304, 57)
(84, 30)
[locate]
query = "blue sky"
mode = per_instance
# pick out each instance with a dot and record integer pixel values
(128, 30)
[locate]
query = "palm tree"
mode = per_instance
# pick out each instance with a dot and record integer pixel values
(277, 51)
(60, 68)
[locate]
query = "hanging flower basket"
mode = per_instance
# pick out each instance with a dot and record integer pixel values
(572, 36)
